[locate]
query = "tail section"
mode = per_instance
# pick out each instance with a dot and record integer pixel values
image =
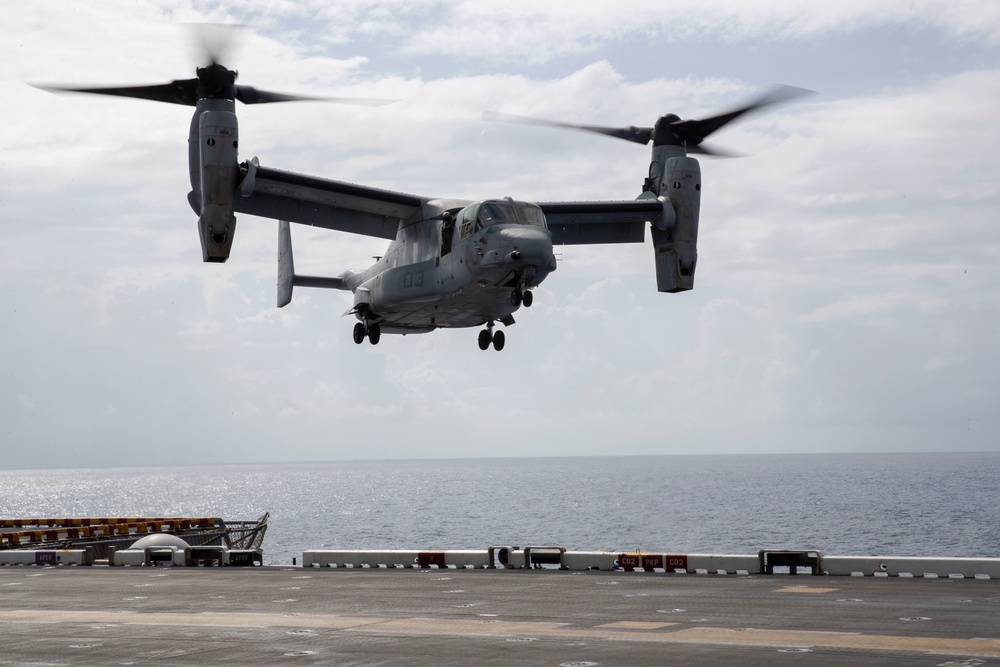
(286, 266)
(286, 269)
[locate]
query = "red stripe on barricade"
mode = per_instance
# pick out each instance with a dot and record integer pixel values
(676, 562)
(629, 562)
(652, 562)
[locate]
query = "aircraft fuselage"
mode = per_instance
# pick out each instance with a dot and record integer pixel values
(464, 267)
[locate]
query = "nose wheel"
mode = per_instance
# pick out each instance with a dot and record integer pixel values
(367, 330)
(488, 336)
(521, 296)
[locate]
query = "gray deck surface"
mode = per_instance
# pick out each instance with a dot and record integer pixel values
(293, 616)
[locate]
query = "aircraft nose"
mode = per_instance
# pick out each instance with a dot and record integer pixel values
(528, 246)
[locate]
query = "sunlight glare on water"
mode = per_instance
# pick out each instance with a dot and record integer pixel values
(844, 504)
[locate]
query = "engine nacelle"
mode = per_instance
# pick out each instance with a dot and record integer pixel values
(676, 248)
(218, 141)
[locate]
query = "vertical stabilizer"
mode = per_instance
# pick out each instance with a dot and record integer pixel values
(286, 267)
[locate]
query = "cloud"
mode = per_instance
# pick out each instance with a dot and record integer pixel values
(522, 31)
(507, 35)
(845, 295)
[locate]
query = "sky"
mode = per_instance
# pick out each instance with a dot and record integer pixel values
(846, 298)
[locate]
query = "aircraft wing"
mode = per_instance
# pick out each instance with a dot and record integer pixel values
(345, 207)
(575, 223)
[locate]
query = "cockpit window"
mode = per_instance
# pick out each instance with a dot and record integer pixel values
(493, 213)
(468, 219)
(531, 215)
(487, 213)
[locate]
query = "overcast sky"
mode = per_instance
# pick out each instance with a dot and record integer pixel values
(846, 298)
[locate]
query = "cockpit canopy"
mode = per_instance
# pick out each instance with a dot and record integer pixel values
(499, 212)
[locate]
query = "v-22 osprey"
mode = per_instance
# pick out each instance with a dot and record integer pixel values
(450, 263)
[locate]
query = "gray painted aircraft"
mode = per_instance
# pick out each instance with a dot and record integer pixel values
(450, 263)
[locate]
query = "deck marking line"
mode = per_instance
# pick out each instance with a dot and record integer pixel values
(752, 637)
(211, 619)
(985, 647)
(805, 590)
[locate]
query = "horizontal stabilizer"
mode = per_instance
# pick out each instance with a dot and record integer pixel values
(316, 281)
(286, 269)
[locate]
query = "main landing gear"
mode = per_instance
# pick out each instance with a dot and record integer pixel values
(487, 336)
(367, 330)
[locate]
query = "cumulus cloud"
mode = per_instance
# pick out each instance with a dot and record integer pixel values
(847, 268)
(521, 31)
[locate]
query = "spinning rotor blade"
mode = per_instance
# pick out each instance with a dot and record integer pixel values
(251, 95)
(712, 151)
(213, 81)
(185, 91)
(669, 129)
(639, 135)
(693, 132)
(181, 91)
(213, 42)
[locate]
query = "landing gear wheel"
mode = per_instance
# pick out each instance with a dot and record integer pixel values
(527, 298)
(485, 339)
(367, 330)
(515, 298)
(498, 340)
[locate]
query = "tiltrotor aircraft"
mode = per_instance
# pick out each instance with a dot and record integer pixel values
(450, 263)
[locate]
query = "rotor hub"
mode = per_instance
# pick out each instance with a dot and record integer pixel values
(663, 133)
(216, 82)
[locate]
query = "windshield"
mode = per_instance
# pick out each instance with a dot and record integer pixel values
(531, 215)
(510, 213)
(496, 214)
(505, 212)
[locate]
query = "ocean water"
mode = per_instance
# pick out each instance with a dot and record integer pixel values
(843, 504)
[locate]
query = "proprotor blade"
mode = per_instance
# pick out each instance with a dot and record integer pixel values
(213, 81)
(181, 91)
(669, 129)
(185, 92)
(713, 151)
(251, 95)
(213, 42)
(639, 135)
(693, 132)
